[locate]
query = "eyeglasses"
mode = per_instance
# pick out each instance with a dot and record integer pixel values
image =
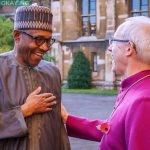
(39, 40)
(117, 40)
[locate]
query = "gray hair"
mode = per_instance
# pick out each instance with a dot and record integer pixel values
(137, 30)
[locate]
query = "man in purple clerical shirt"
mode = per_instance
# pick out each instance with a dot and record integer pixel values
(128, 126)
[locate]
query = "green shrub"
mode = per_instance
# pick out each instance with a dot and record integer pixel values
(6, 38)
(49, 57)
(79, 75)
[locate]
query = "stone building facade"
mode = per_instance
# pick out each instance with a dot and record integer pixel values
(87, 25)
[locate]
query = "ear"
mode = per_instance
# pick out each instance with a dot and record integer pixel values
(16, 35)
(131, 49)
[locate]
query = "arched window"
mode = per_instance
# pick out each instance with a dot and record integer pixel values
(88, 17)
(139, 7)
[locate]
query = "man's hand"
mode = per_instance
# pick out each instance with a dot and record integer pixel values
(38, 103)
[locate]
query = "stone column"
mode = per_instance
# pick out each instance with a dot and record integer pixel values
(56, 50)
(111, 14)
(121, 11)
(111, 24)
(57, 24)
(109, 75)
(71, 20)
(101, 18)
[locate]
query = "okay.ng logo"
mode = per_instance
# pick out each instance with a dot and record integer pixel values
(14, 2)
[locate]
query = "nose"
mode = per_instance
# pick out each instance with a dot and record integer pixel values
(44, 46)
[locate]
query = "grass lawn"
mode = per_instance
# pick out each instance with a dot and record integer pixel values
(90, 91)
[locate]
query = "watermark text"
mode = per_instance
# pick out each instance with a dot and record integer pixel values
(14, 2)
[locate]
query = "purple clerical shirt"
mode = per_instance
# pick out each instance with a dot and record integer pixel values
(129, 122)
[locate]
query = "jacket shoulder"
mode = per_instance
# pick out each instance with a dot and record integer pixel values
(47, 65)
(5, 57)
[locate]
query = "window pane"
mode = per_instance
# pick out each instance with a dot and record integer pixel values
(140, 7)
(135, 5)
(89, 17)
(92, 7)
(85, 26)
(84, 7)
(137, 14)
(145, 14)
(85, 19)
(144, 2)
(144, 5)
(144, 8)
(93, 19)
(93, 29)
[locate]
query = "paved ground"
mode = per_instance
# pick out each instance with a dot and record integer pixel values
(91, 106)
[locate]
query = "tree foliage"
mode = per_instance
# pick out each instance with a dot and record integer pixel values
(6, 38)
(79, 76)
(49, 57)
